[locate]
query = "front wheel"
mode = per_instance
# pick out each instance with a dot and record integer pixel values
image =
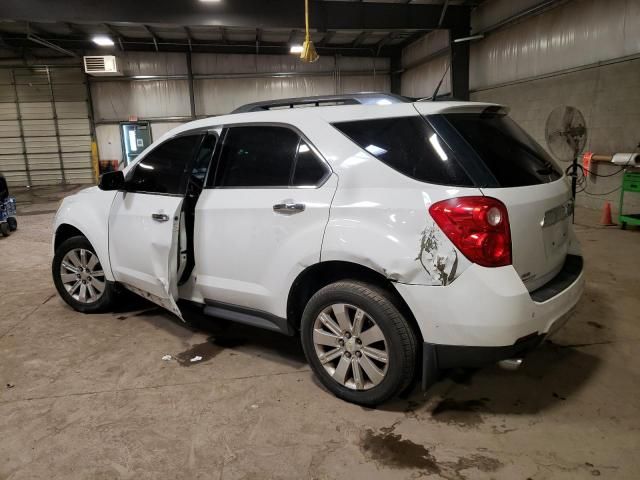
(79, 278)
(358, 343)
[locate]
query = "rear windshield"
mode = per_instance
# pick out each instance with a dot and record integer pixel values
(513, 157)
(410, 146)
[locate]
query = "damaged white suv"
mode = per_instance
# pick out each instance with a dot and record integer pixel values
(395, 238)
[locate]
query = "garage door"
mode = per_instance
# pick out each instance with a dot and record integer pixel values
(45, 134)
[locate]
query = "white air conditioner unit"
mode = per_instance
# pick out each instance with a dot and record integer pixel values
(102, 66)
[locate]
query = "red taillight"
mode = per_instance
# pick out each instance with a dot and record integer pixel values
(478, 226)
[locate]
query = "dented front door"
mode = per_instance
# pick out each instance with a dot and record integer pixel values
(143, 245)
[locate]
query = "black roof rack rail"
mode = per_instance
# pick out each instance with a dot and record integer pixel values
(373, 98)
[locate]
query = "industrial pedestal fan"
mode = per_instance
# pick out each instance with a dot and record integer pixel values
(566, 135)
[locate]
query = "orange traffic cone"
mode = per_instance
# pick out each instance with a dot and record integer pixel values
(606, 215)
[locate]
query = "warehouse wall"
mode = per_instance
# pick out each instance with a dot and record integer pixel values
(424, 63)
(584, 53)
(221, 83)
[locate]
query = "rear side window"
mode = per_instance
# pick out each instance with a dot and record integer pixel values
(513, 157)
(410, 146)
(267, 156)
(162, 170)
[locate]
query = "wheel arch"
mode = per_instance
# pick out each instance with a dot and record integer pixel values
(64, 232)
(321, 274)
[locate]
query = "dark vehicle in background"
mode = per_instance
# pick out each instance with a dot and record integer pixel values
(8, 220)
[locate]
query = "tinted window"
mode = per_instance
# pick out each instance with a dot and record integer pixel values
(162, 170)
(203, 159)
(257, 156)
(512, 156)
(309, 170)
(410, 146)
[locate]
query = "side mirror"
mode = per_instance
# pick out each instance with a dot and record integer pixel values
(112, 181)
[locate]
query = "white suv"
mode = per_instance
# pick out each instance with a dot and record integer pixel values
(395, 238)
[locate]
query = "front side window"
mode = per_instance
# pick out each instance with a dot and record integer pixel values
(409, 145)
(203, 159)
(163, 169)
(309, 169)
(267, 156)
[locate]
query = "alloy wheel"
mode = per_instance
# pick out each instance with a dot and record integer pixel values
(351, 346)
(82, 275)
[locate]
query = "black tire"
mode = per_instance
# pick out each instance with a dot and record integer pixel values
(4, 229)
(13, 223)
(103, 303)
(623, 225)
(399, 336)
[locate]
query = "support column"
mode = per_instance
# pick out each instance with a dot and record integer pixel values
(192, 100)
(396, 73)
(460, 60)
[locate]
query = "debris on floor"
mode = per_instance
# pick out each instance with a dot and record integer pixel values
(10, 385)
(167, 358)
(197, 358)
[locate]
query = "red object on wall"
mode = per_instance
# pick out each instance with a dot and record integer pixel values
(586, 160)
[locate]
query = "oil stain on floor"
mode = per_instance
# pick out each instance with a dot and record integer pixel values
(388, 449)
(207, 350)
(464, 413)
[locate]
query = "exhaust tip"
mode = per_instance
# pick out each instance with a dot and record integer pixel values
(510, 364)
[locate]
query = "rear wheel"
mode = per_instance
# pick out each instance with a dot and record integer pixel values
(4, 229)
(79, 278)
(13, 223)
(358, 343)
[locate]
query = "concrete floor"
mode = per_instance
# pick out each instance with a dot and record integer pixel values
(89, 396)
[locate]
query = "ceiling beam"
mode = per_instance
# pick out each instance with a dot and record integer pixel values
(111, 29)
(202, 46)
(324, 15)
(326, 39)
(187, 32)
(153, 36)
(32, 37)
(445, 5)
(359, 39)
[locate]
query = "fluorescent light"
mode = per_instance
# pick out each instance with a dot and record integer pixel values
(296, 49)
(102, 40)
(469, 39)
(209, 1)
(435, 143)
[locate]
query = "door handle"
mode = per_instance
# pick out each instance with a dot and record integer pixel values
(288, 208)
(160, 217)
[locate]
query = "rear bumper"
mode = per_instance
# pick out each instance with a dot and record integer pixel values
(488, 315)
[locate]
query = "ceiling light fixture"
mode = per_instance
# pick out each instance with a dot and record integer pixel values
(102, 40)
(296, 49)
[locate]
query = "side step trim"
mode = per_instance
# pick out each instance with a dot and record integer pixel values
(248, 316)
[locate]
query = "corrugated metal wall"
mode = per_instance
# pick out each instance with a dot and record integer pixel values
(537, 55)
(575, 34)
(425, 62)
(222, 82)
(44, 126)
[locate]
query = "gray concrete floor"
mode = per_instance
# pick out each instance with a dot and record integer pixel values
(89, 396)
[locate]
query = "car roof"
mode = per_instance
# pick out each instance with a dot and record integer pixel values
(334, 113)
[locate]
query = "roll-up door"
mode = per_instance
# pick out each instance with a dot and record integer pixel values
(45, 132)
